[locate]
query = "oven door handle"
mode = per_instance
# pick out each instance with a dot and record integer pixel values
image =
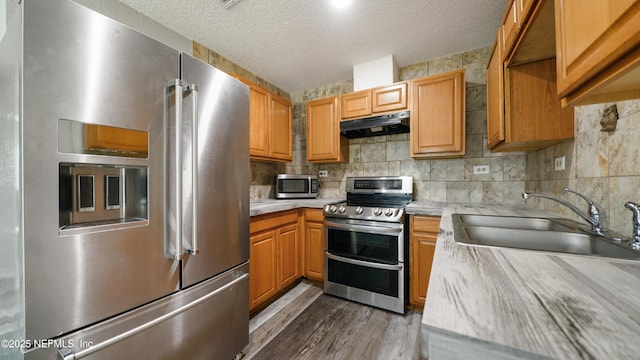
(393, 231)
(364, 263)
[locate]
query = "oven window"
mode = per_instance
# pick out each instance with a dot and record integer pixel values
(363, 246)
(293, 186)
(370, 279)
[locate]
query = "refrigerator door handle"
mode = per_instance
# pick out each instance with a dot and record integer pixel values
(65, 353)
(178, 85)
(193, 89)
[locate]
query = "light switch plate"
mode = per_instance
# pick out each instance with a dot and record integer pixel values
(559, 163)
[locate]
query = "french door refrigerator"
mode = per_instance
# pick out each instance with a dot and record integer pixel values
(126, 217)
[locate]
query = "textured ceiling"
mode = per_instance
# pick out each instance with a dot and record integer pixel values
(302, 44)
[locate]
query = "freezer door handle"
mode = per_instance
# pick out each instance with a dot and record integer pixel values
(178, 93)
(65, 353)
(193, 89)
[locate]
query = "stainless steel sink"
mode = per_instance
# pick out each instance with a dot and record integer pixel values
(517, 222)
(542, 234)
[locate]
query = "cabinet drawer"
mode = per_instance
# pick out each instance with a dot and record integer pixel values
(427, 224)
(270, 221)
(314, 215)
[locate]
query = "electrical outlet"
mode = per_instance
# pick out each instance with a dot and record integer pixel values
(481, 169)
(323, 173)
(559, 163)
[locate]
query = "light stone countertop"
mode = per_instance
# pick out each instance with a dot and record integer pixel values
(488, 303)
(260, 207)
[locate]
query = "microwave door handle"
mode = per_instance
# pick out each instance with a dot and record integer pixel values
(178, 92)
(309, 185)
(193, 89)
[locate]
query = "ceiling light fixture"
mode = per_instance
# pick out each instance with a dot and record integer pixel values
(340, 4)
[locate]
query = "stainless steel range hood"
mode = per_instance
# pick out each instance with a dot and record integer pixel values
(388, 124)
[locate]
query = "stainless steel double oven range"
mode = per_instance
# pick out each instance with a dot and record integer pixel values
(366, 242)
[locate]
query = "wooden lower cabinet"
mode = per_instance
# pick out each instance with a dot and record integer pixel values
(288, 255)
(423, 232)
(324, 142)
(262, 268)
(314, 245)
(274, 255)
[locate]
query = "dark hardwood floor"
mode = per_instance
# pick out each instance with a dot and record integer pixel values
(306, 324)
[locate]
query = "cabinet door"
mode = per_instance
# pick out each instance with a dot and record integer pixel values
(356, 104)
(591, 35)
(495, 96)
(262, 268)
(509, 28)
(424, 232)
(288, 255)
(534, 117)
(258, 122)
(280, 143)
(422, 259)
(389, 98)
(314, 251)
(324, 142)
(438, 116)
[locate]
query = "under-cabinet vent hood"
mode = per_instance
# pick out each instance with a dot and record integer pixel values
(388, 124)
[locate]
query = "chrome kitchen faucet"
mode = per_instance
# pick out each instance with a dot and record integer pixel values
(635, 236)
(594, 215)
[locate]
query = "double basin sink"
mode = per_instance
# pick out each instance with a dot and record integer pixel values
(542, 234)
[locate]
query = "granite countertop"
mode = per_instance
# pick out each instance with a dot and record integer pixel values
(266, 206)
(505, 303)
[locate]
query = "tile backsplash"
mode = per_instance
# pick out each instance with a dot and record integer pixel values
(605, 166)
(437, 179)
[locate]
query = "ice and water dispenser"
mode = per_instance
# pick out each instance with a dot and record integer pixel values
(98, 193)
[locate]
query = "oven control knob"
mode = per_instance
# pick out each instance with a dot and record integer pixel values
(342, 209)
(359, 210)
(377, 211)
(332, 208)
(388, 212)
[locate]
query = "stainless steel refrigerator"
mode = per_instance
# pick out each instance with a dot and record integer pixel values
(125, 190)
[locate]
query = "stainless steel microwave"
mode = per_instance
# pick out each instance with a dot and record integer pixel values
(296, 186)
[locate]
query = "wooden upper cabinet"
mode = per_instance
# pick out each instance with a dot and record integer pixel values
(324, 142)
(270, 127)
(280, 129)
(438, 116)
(374, 101)
(258, 121)
(524, 9)
(523, 111)
(389, 98)
(495, 95)
(597, 49)
(534, 118)
(356, 104)
(509, 27)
